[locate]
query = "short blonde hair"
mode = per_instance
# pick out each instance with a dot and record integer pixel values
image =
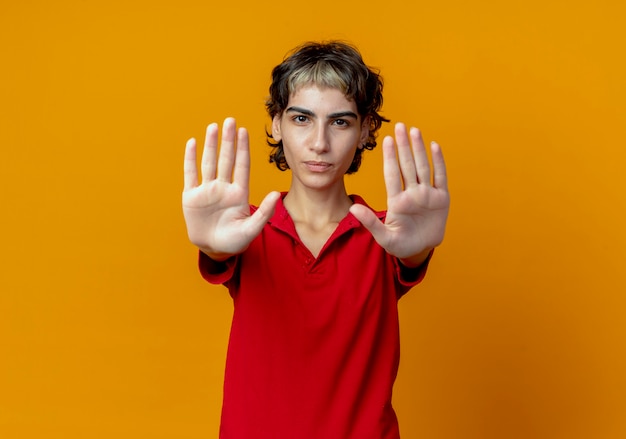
(333, 64)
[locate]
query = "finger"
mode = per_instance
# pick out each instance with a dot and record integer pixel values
(227, 150)
(262, 215)
(422, 166)
(190, 171)
(391, 170)
(371, 222)
(209, 153)
(241, 174)
(440, 179)
(405, 157)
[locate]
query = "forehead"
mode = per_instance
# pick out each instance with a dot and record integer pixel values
(312, 96)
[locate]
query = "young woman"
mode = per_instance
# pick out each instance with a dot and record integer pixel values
(314, 273)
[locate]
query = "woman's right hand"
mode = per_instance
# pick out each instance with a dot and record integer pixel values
(217, 210)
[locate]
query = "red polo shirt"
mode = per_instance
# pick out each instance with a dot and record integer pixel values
(314, 343)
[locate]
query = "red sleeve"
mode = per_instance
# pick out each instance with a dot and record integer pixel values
(216, 272)
(409, 277)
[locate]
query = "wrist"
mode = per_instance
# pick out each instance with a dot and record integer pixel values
(416, 260)
(217, 257)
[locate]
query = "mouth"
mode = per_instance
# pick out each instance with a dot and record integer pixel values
(315, 166)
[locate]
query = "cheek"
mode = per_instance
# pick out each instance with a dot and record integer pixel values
(349, 152)
(294, 141)
(288, 152)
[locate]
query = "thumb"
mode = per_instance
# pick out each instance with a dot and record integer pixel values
(370, 221)
(264, 212)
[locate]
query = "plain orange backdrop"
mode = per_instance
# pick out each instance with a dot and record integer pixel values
(106, 328)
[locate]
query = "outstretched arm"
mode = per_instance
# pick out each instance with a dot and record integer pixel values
(217, 210)
(417, 202)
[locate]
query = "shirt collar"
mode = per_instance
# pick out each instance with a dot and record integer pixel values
(282, 221)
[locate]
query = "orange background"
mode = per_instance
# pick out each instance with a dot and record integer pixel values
(106, 328)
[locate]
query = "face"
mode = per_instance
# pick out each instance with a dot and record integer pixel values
(320, 130)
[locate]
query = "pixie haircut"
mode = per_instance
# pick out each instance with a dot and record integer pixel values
(332, 64)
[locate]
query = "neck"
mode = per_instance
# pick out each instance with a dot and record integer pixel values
(317, 207)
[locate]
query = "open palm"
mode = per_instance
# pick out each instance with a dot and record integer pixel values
(417, 203)
(217, 211)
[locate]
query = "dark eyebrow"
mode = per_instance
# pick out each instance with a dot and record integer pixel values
(336, 115)
(342, 114)
(300, 110)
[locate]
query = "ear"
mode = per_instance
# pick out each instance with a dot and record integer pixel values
(365, 131)
(276, 133)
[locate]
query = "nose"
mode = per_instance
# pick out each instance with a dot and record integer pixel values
(321, 142)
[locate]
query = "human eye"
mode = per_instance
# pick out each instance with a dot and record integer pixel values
(341, 122)
(300, 118)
